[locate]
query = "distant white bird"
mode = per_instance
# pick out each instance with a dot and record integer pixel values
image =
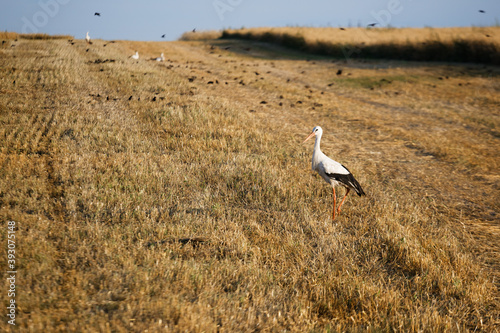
(160, 58)
(87, 38)
(135, 56)
(332, 171)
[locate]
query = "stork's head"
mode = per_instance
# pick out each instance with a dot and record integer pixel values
(317, 131)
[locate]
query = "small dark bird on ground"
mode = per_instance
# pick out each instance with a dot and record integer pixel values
(97, 14)
(194, 30)
(339, 72)
(342, 28)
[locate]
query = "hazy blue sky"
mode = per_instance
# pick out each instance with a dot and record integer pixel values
(148, 20)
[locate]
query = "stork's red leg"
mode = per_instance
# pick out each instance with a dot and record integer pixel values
(342, 202)
(334, 203)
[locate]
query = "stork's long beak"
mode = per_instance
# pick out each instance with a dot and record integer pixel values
(310, 136)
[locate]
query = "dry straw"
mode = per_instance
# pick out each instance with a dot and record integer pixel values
(177, 195)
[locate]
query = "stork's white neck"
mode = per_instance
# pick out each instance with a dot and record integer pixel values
(317, 143)
(316, 152)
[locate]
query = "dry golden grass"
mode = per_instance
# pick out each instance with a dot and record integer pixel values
(382, 35)
(200, 35)
(109, 165)
(8, 35)
(15, 35)
(476, 44)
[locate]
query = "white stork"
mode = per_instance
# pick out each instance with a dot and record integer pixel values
(160, 58)
(135, 56)
(332, 171)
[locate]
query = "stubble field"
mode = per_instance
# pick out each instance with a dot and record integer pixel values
(178, 195)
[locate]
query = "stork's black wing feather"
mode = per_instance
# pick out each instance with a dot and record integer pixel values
(347, 180)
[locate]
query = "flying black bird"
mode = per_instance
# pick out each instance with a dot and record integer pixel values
(97, 14)
(372, 24)
(163, 36)
(482, 11)
(194, 30)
